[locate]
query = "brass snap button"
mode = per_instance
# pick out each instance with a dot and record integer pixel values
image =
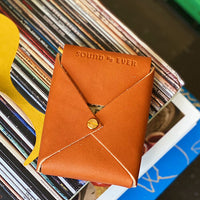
(92, 123)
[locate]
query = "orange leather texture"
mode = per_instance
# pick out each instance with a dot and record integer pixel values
(111, 152)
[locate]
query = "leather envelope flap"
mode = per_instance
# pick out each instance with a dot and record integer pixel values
(102, 75)
(123, 85)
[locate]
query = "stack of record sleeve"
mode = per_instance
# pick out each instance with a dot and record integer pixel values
(17, 139)
(46, 26)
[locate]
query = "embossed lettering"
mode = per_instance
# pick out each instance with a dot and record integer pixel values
(100, 57)
(126, 61)
(78, 53)
(90, 55)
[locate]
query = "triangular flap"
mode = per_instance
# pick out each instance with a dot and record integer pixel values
(103, 75)
(66, 116)
(87, 160)
(125, 120)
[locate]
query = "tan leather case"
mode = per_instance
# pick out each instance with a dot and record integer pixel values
(110, 150)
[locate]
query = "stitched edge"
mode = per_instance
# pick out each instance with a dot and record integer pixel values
(43, 160)
(131, 176)
(137, 83)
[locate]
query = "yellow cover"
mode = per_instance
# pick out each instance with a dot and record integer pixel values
(9, 41)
